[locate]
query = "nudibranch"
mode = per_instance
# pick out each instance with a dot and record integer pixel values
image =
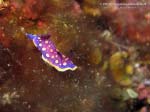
(50, 54)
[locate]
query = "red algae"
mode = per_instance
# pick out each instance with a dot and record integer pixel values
(32, 9)
(3, 40)
(139, 34)
(131, 23)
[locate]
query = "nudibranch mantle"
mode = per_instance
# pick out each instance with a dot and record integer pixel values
(50, 54)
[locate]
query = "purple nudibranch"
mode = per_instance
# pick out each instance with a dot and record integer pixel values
(50, 54)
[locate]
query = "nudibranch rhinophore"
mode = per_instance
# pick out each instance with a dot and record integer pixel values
(50, 54)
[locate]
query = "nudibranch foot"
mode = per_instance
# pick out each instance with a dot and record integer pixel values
(58, 68)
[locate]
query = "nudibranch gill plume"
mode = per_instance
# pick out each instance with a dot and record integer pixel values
(50, 54)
